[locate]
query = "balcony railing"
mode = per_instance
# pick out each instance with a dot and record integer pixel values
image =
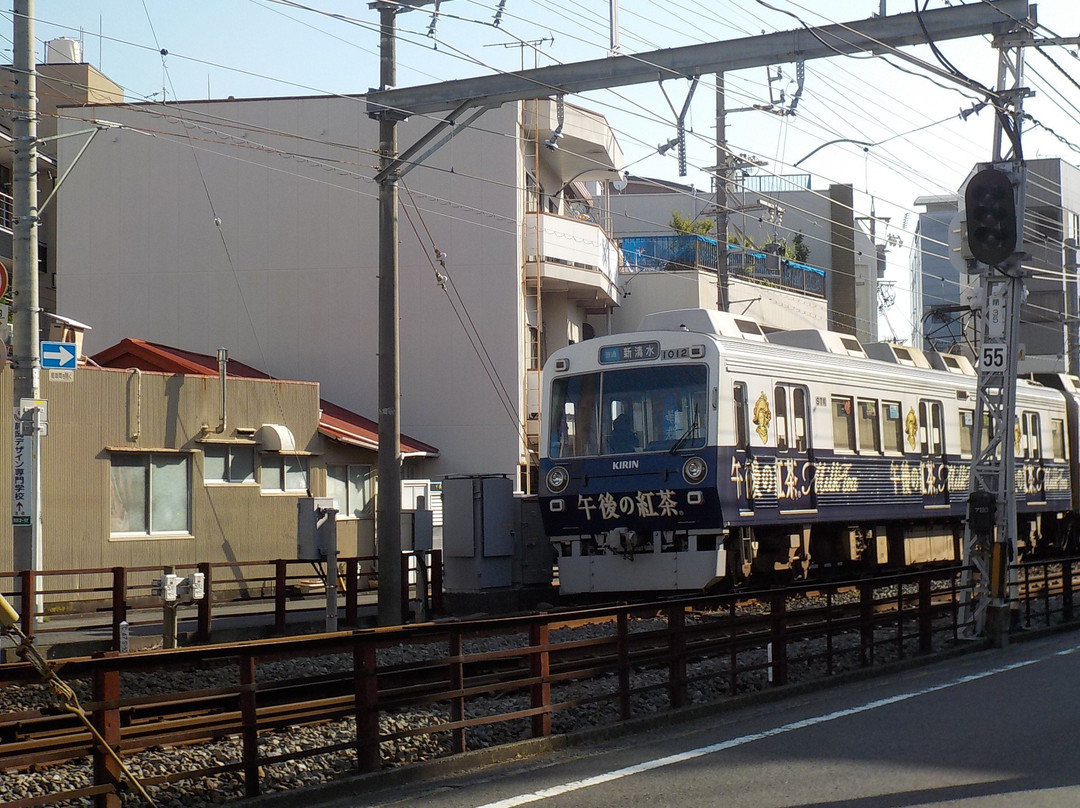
(574, 250)
(685, 252)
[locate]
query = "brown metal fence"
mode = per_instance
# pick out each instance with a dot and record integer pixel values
(444, 688)
(56, 601)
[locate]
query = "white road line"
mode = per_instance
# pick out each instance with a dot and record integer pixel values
(617, 774)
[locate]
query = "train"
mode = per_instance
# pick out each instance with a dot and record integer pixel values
(702, 453)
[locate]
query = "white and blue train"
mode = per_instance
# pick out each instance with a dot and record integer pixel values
(697, 452)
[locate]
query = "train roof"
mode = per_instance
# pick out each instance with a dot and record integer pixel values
(818, 339)
(704, 321)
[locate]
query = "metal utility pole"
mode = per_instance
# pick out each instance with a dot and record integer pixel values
(26, 526)
(994, 210)
(1072, 310)
(723, 177)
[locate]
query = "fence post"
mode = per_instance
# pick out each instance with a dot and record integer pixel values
(119, 603)
(540, 669)
(280, 585)
(676, 618)
(366, 683)
(404, 588)
(250, 733)
(866, 623)
(352, 591)
(623, 650)
(778, 630)
(436, 581)
(926, 615)
(1066, 590)
(28, 600)
(457, 683)
(206, 605)
(106, 720)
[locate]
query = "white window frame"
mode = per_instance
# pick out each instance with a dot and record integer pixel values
(364, 490)
(229, 449)
(146, 462)
(281, 484)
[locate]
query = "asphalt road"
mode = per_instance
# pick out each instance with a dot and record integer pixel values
(988, 730)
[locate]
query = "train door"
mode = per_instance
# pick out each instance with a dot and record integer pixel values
(794, 461)
(742, 475)
(1031, 448)
(933, 464)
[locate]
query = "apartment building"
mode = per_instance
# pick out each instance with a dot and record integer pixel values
(253, 224)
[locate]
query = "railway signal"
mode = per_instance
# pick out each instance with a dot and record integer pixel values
(990, 203)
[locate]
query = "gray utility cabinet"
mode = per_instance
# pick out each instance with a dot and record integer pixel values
(478, 533)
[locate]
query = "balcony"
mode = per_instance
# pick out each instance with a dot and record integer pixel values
(690, 252)
(572, 255)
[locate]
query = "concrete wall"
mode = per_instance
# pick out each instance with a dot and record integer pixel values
(217, 231)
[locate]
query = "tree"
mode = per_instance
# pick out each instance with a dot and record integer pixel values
(797, 250)
(681, 223)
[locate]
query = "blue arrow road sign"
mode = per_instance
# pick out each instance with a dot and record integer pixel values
(58, 355)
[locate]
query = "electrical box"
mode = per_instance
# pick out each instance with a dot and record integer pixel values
(314, 516)
(166, 587)
(478, 532)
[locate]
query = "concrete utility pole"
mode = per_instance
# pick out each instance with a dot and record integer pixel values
(388, 523)
(388, 518)
(26, 527)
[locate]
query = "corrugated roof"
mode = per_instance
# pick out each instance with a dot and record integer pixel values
(335, 421)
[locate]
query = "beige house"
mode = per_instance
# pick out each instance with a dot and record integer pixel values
(148, 460)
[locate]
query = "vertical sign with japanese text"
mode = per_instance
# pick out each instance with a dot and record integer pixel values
(22, 488)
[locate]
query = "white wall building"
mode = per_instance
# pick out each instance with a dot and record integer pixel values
(253, 225)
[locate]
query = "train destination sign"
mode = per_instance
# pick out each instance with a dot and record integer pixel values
(629, 352)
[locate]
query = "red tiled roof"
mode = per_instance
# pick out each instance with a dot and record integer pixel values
(335, 422)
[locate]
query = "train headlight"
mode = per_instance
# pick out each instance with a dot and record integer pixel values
(557, 479)
(694, 470)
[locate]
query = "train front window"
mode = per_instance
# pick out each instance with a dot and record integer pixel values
(622, 411)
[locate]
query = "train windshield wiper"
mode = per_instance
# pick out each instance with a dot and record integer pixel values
(685, 436)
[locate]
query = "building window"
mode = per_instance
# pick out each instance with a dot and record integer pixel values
(352, 490)
(151, 494)
(228, 464)
(280, 473)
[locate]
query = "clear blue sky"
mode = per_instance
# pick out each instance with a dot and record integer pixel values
(247, 48)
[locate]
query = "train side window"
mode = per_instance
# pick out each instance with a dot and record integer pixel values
(742, 421)
(967, 432)
(843, 422)
(869, 437)
(1057, 438)
(930, 428)
(781, 419)
(799, 419)
(1032, 444)
(893, 426)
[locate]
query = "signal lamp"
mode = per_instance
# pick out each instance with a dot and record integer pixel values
(991, 216)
